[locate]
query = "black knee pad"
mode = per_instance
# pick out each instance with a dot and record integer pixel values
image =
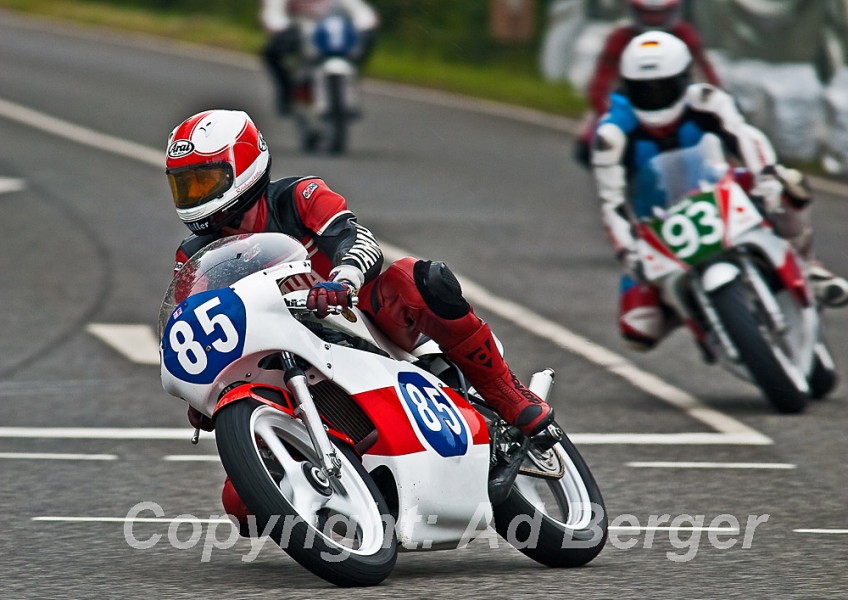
(440, 289)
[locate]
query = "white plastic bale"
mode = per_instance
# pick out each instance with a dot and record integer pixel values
(836, 118)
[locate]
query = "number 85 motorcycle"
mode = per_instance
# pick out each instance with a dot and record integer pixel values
(721, 268)
(346, 448)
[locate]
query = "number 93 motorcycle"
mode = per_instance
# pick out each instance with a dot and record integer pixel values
(347, 448)
(721, 268)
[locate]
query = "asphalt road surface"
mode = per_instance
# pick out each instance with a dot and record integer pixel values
(713, 494)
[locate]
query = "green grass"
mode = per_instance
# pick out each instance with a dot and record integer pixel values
(521, 86)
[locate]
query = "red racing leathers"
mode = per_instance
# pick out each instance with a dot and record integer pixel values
(412, 297)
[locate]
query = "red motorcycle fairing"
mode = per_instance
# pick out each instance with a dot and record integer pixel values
(396, 435)
(252, 391)
(792, 276)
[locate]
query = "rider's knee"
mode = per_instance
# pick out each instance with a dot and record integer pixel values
(440, 289)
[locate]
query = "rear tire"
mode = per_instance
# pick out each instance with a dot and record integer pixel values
(338, 118)
(269, 458)
(767, 364)
(569, 511)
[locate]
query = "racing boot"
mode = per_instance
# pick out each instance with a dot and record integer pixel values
(481, 362)
(830, 289)
(236, 508)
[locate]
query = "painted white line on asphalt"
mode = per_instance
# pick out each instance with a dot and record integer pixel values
(708, 465)
(670, 439)
(49, 456)
(7, 185)
(192, 458)
(184, 433)
(100, 433)
(822, 531)
(128, 520)
(81, 135)
(636, 529)
(515, 313)
(136, 342)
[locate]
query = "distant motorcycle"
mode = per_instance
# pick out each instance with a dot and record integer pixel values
(345, 446)
(721, 268)
(325, 92)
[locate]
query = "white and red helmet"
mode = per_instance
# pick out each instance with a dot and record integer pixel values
(655, 14)
(654, 69)
(217, 164)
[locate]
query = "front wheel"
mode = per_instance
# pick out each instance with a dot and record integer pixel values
(555, 513)
(760, 348)
(338, 528)
(337, 115)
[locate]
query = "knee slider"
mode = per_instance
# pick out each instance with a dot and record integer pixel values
(440, 289)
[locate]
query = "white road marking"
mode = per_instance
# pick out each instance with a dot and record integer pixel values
(708, 465)
(49, 456)
(506, 309)
(184, 433)
(81, 135)
(635, 529)
(192, 458)
(128, 520)
(7, 185)
(101, 433)
(824, 531)
(136, 342)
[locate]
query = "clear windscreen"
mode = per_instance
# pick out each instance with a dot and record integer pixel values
(673, 175)
(224, 262)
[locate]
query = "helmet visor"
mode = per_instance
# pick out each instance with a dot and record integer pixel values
(656, 94)
(195, 185)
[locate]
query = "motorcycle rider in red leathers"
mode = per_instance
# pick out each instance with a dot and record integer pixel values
(660, 110)
(218, 168)
(646, 15)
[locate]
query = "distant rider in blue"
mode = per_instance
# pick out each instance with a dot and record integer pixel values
(657, 110)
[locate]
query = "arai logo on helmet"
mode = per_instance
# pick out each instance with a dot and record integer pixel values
(180, 148)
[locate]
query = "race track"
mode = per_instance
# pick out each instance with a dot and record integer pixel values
(713, 494)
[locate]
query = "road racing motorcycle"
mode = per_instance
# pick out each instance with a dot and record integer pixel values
(347, 448)
(723, 271)
(325, 92)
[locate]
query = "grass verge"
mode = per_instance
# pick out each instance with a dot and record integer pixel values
(390, 61)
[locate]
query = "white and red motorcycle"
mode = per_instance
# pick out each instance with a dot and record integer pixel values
(719, 265)
(345, 447)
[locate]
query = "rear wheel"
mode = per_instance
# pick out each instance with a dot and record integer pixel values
(338, 528)
(555, 513)
(760, 347)
(337, 117)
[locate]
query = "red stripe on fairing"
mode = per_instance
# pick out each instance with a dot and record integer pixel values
(395, 434)
(723, 193)
(650, 236)
(793, 278)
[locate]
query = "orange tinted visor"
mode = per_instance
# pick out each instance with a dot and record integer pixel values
(195, 185)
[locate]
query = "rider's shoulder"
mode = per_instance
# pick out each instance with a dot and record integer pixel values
(621, 114)
(707, 97)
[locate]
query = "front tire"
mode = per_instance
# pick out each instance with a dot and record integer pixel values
(769, 366)
(338, 528)
(567, 512)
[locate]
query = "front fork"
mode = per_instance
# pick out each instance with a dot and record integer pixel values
(305, 409)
